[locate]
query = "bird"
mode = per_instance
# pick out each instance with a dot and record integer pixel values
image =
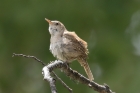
(67, 46)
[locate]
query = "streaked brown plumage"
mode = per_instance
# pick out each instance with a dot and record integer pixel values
(67, 46)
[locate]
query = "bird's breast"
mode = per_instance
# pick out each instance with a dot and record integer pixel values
(64, 49)
(57, 50)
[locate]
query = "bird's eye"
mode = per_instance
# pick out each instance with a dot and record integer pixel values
(57, 24)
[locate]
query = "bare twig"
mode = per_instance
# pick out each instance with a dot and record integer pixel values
(63, 83)
(50, 79)
(28, 56)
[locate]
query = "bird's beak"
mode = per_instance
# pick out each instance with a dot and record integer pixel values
(49, 21)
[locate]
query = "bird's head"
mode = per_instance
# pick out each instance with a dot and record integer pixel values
(55, 27)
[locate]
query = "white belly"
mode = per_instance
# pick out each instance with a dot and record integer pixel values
(57, 51)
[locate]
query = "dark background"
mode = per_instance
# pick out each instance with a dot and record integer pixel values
(111, 28)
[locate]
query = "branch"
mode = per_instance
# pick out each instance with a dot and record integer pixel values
(48, 78)
(69, 72)
(75, 75)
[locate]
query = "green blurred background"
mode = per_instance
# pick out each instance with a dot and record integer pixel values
(111, 28)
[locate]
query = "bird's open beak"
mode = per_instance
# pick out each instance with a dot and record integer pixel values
(49, 21)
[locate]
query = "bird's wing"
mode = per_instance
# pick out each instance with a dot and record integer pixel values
(78, 44)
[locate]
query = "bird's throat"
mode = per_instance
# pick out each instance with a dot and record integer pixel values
(56, 38)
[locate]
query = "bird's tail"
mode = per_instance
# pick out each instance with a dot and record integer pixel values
(86, 68)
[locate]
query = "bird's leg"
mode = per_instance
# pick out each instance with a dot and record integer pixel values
(67, 64)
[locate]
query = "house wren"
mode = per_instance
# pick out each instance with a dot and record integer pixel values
(67, 46)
